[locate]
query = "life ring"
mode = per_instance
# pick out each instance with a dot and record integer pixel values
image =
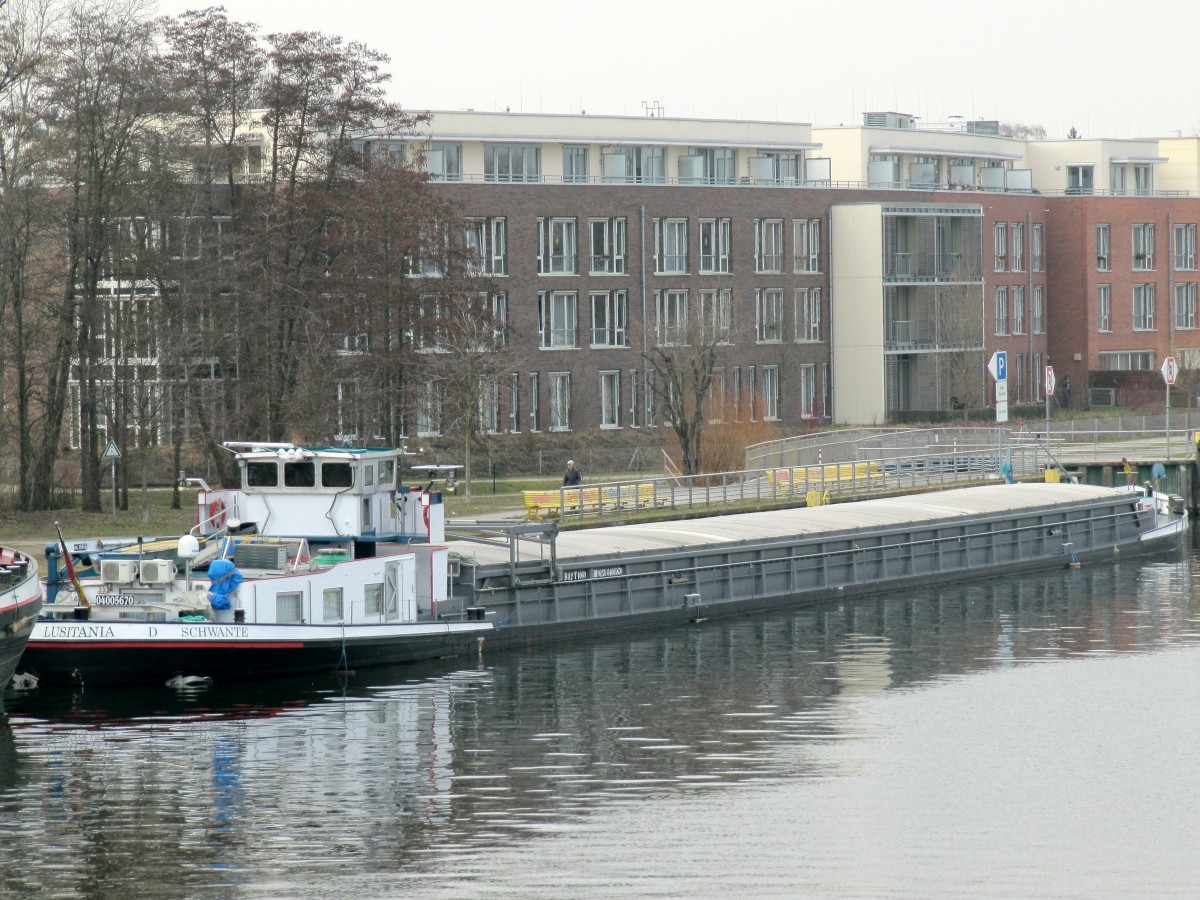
(425, 516)
(216, 513)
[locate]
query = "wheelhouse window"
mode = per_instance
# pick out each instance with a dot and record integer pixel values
(262, 474)
(300, 474)
(337, 475)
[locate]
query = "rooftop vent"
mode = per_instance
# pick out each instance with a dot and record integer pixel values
(889, 120)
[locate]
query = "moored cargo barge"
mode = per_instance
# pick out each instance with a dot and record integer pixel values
(543, 585)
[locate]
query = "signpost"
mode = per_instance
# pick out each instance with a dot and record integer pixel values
(1049, 394)
(113, 453)
(998, 368)
(1169, 371)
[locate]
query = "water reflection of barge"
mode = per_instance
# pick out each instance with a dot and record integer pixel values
(538, 585)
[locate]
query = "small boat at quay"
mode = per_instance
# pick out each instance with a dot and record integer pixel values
(20, 603)
(281, 576)
(321, 561)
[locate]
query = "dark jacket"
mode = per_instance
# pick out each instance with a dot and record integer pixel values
(571, 477)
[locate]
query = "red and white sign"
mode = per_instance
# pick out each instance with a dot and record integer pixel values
(1049, 381)
(1169, 370)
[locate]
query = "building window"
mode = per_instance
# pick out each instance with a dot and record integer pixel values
(769, 316)
(1039, 309)
(429, 410)
(647, 165)
(1143, 247)
(1185, 305)
(495, 306)
(752, 393)
(609, 311)
(1018, 247)
(714, 246)
(808, 391)
(610, 399)
(534, 403)
(1018, 310)
(1103, 248)
(560, 401)
(768, 245)
(770, 393)
(633, 398)
(1116, 178)
(607, 255)
(1080, 179)
(1000, 245)
(808, 314)
(575, 164)
(487, 246)
(786, 167)
(1143, 307)
(1143, 179)
(451, 164)
(556, 246)
(514, 403)
(720, 164)
(1127, 360)
(806, 245)
(1104, 307)
(1035, 249)
(671, 316)
(651, 407)
(1001, 310)
(670, 246)
(488, 413)
(558, 320)
(716, 315)
(1185, 248)
(512, 162)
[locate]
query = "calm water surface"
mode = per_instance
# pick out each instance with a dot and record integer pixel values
(1035, 736)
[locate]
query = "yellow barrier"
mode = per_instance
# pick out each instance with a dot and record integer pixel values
(798, 480)
(632, 496)
(817, 498)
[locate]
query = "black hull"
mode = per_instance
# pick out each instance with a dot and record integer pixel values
(16, 624)
(98, 664)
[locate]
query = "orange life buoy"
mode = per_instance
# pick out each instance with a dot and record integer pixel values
(216, 513)
(425, 515)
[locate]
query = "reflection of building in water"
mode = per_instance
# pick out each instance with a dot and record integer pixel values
(862, 665)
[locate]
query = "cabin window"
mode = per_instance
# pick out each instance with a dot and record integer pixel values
(332, 601)
(337, 475)
(289, 607)
(387, 471)
(373, 599)
(262, 474)
(299, 474)
(368, 475)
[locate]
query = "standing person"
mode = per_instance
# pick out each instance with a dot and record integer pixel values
(1127, 469)
(571, 477)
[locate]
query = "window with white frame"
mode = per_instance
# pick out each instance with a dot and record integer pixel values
(1143, 179)
(671, 318)
(768, 245)
(633, 398)
(1116, 178)
(429, 409)
(808, 314)
(670, 246)
(714, 400)
(494, 308)
(486, 245)
(1143, 307)
(488, 415)
(714, 246)
(610, 399)
(806, 245)
(1036, 242)
(647, 165)
(1081, 179)
(720, 164)
(1001, 310)
(1104, 307)
(514, 403)
(428, 260)
(451, 161)
(1018, 309)
(768, 304)
(770, 393)
(1185, 305)
(1126, 360)
(1039, 309)
(609, 311)
(558, 320)
(716, 315)
(1103, 248)
(752, 392)
(430, 331)
(1185, 248)
(651, 400)
(575, 164)
(560, 401)
(535, 403)
(607, 255)
(787, 167)
(512, 162)
(1000, 246)
(808, 391)
(556, 246)
(1143, 247)
(1018, 247)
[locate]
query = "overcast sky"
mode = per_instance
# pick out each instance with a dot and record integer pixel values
(1108, 67)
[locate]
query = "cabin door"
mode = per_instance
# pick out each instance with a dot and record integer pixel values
(391, 591)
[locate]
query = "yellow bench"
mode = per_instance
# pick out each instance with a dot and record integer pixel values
(802, 479)
(625, 496)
